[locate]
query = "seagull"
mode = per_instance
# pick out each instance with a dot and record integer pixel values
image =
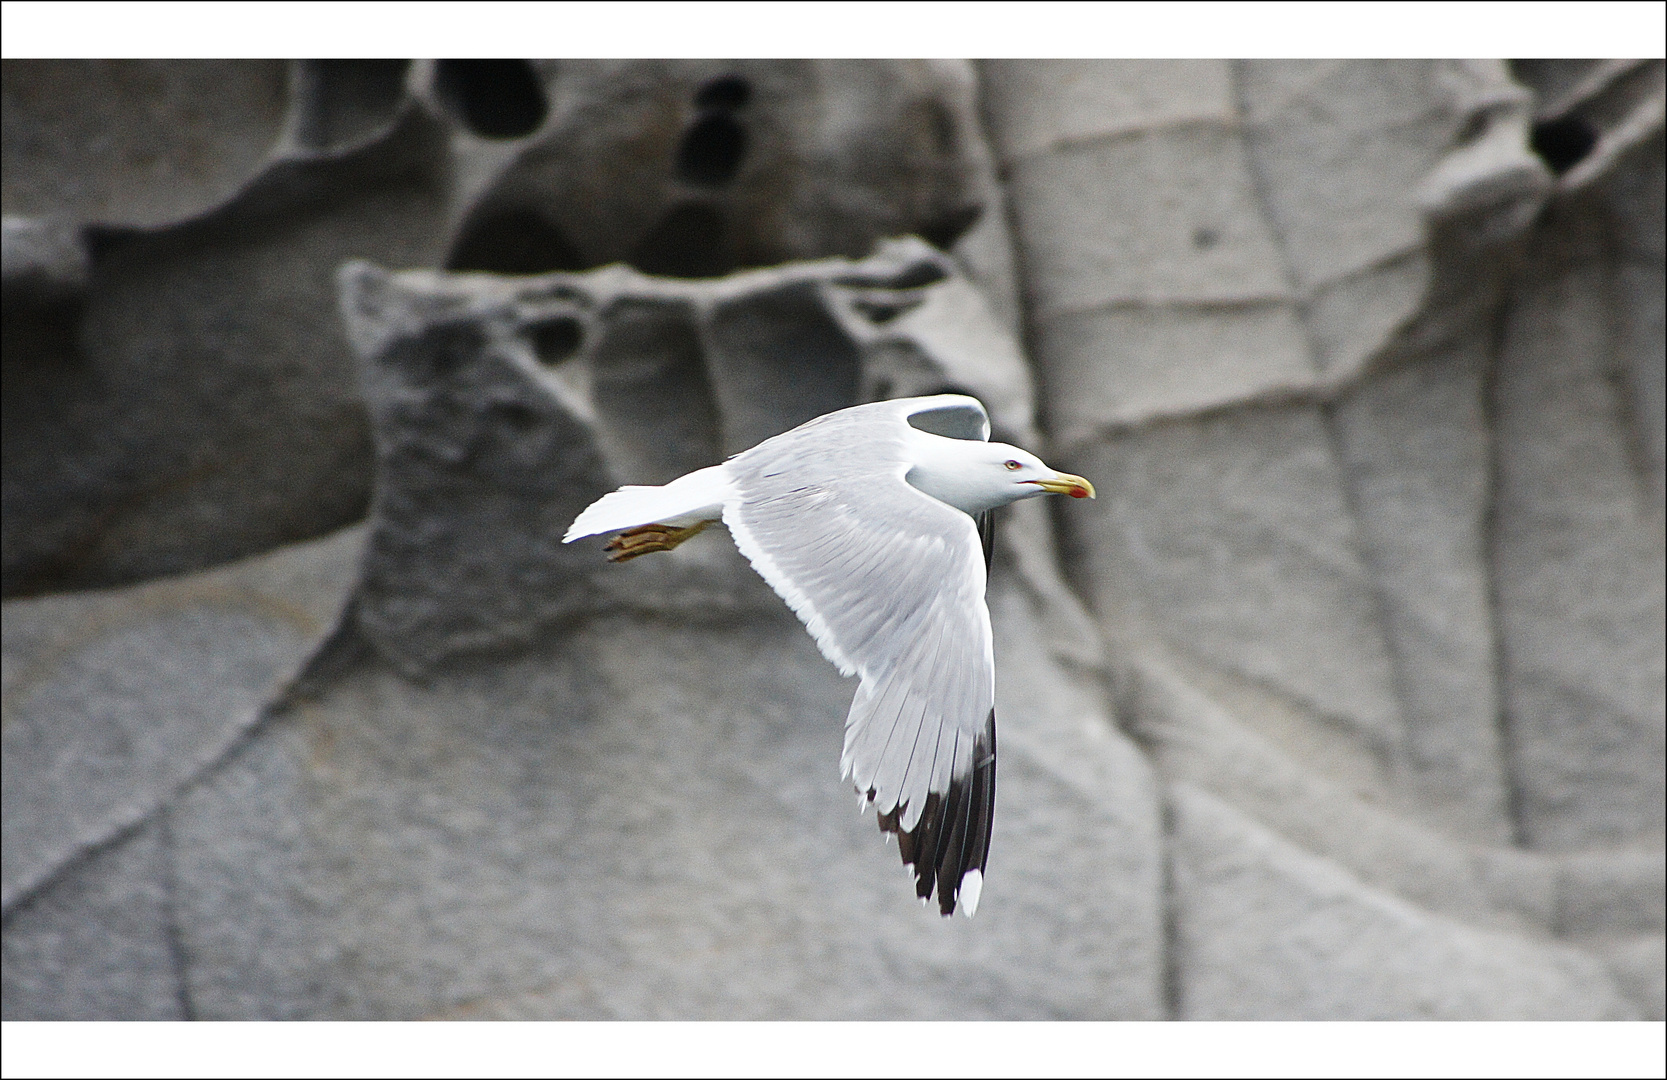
(872, 524)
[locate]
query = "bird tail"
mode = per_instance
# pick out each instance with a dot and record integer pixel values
(699, 496)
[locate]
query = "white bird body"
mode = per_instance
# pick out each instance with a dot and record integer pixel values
(862, 521)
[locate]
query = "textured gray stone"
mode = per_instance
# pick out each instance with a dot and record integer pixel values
(1117, 366)
(1348, 322)
(113, 700)
(1245, 752)
(1578, 556)
(505, 406)
(211, 410)
(1414, 447)
(1265, 930)
(1639, 967)
(1230, 538)
(696, 168)
(1039, 105)
(97, 945)
(601, 796)
(1610, 892)
(599, 827)
(1207, 217)
(1147, 218)
(252, 886)
(135, 142)
(43, 276)
(520, 782)
(1341, 148)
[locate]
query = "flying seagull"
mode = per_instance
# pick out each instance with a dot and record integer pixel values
(867, 521)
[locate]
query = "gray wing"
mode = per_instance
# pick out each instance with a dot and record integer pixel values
(890, 583)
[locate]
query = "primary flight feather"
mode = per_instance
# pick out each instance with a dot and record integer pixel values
(863, 521)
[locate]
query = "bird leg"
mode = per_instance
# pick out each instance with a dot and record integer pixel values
(649, 538)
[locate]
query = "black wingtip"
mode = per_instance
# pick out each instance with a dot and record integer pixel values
(952, 837)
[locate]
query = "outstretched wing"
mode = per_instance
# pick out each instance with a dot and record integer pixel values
(890, 583)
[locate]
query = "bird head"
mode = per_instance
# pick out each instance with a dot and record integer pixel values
(975, 476)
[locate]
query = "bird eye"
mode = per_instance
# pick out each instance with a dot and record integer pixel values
(1013, 466)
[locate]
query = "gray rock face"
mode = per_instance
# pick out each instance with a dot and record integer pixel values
(1266, 930)
(134, 142)
(198, 403)
(1414, 449)
(600, 829)
(1330, 504)
(699, 168)
(1579, 551)
(505, 407)
(100, 945)
(1230, 537)
(191, 401)
(114, 700)
(1363, 718)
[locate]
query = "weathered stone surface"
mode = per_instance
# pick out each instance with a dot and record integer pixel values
(210, 409)
(1039, 105)
(1414, 446)
(135, 142)
(1229, 538)
(1341, 148)
(1214, 204)
(1578, 556)
(1267, 931)
(1353, 565)
(505, 406)
(1611, 892)
(563, 817)
(113, 700)
(1345, 814)
(697, 168)
(1117, 366)
(1639, 967)
(96, 945)
(1161, 217)
(600, 828)
(251, 886)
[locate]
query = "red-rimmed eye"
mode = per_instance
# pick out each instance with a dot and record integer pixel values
(1013, 466)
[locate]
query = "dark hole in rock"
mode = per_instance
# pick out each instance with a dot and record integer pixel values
(942, 231)
(340, 102)
(514, 415)
(725, 92)
(497, 99)
(1563, 142)
(712, 150)
(1206, 238)
(880, 312)
(521, 241)
(688, 242)
(557, 339)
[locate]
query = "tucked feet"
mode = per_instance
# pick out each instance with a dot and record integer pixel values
(645, 539)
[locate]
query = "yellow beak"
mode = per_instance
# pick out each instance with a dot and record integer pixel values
(1066, 484)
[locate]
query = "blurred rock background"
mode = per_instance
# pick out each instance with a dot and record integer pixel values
(1344, 699)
